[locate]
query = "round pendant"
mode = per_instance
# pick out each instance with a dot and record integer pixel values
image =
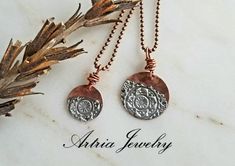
(85, 103)
(145, 97)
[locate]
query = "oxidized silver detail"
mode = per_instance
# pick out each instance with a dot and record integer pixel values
(84, 108)
(141, 101)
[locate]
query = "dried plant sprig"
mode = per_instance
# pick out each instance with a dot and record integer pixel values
(7, 107)
(19, 77)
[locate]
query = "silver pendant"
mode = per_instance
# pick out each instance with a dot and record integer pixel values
(144, 96)
(85, 103)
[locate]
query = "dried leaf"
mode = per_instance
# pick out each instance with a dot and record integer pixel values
(9, 57)
(6, 107)
(102, 8)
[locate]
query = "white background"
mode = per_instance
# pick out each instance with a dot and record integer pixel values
(195, 58)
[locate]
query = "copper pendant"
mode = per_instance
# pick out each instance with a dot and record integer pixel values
(85, 103)
(145, 96)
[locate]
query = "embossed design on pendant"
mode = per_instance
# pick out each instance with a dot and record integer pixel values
(144, 97)
(85, 103)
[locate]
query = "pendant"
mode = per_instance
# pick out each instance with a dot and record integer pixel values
(85, 102)
(145, 96)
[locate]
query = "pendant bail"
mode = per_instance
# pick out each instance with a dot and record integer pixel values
(94, 77)
(150, 62)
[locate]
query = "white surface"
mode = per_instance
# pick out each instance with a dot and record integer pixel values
(195, 58)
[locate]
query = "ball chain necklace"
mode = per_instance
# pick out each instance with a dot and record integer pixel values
(145, 95)
(85, 102)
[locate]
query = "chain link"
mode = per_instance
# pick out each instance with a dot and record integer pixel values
(106, 44)
(155, 45)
